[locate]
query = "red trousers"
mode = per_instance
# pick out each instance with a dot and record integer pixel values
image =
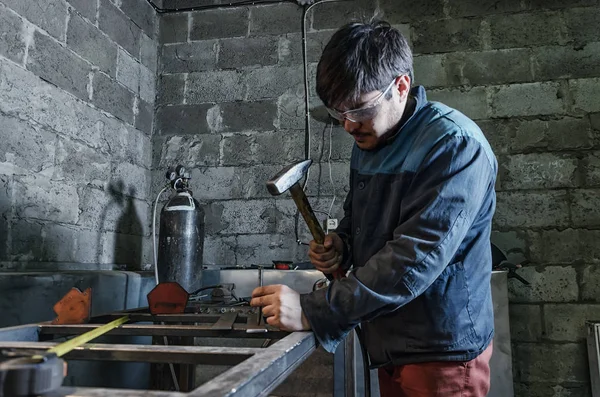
(437, 379)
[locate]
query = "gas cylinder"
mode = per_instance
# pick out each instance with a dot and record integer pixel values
(181, 238)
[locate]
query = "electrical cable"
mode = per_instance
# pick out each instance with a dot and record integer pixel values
(154, 249)
(307, 143)
(330, 175)
(155, 252)
(205, 288)
(306, 116)
(307, 148)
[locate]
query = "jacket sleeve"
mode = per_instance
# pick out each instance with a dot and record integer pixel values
(446, 195)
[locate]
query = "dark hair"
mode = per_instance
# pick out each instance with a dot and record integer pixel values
(360, 58)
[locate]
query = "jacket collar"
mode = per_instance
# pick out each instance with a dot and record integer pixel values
(418, 94)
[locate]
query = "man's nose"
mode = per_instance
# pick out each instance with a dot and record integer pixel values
(350, 126)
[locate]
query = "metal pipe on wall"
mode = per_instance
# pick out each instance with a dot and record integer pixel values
(213, 6)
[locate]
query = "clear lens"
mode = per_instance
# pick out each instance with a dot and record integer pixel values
(335, 114)
(358, 115)
(363, 114)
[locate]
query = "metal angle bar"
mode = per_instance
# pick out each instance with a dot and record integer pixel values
(265, 371)
(239, 330)
(165, 318)
(21, 333)
(143, 353)
(105, 392)
(225, 322)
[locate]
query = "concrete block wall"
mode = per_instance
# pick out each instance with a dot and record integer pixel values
(230, 106)
(77, 93)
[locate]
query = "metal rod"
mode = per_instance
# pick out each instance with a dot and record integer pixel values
(106, 392)
(141, 353)
(203, 330)
(170, 318)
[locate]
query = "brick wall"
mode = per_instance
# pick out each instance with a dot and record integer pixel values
(77, 89)
(230, 106)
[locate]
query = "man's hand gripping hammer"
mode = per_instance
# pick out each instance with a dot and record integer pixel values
(289, 179)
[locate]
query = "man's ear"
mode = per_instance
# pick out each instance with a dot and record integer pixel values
(403, 84)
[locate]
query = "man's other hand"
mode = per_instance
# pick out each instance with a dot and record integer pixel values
(327, 257)
(281, 306)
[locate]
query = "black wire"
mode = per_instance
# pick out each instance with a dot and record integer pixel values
(205, 288)
(306, 87)
(306, 113)
(238, 299)
(213, 6)
(307, 100)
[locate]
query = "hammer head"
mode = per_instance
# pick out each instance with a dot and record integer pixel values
(288, 177)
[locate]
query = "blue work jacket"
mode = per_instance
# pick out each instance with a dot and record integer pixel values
(417, 227)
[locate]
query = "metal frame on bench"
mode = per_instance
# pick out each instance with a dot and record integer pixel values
(255, 371)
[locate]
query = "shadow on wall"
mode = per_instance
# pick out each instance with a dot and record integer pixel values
(128, 239)
(116, 237)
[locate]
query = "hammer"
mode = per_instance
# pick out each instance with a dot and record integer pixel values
(289, 179)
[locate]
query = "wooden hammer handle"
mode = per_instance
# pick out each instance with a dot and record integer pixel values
(311, 221)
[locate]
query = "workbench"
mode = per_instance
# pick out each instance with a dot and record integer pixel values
(233, 361)
(254, 372)
(252, 358)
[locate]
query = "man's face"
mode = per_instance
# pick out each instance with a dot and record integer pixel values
(383, 113)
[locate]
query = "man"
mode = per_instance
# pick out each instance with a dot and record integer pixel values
(416, 228)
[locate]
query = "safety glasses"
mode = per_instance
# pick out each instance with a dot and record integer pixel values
(364, 113)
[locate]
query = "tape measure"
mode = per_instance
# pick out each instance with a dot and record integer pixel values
(39, 374)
